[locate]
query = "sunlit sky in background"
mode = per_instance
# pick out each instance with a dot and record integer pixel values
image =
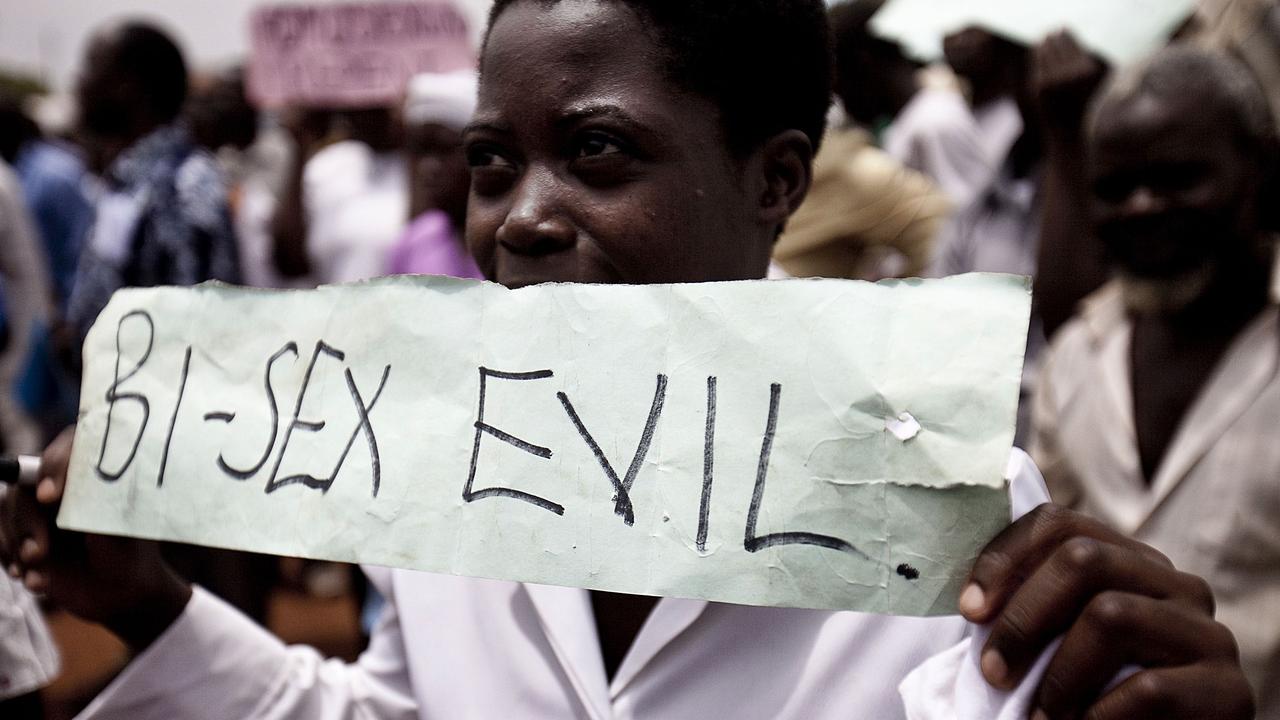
(45, 38)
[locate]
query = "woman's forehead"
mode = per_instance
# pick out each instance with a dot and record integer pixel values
(565, 49)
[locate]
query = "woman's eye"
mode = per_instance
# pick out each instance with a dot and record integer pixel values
(480, 157)
(597, 145)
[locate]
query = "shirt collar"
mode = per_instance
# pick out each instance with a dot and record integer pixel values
(138, 162)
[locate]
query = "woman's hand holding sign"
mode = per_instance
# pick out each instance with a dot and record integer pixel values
(1116, 602)
(120, 582)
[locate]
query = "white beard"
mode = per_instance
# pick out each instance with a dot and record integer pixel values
(1164, 296)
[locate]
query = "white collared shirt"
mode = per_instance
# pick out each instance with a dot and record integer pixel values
(450, 647)
(1214, 504)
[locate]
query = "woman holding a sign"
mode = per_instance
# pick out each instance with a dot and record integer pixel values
(637, 142)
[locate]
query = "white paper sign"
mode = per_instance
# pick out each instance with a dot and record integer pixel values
(808, 443)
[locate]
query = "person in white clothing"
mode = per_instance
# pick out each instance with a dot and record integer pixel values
(346, 199)
(920, 115)
(621, 141)
(1159, 403)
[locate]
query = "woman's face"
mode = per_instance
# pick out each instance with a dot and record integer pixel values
(590, 165)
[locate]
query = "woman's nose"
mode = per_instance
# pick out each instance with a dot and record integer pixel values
(536, 223)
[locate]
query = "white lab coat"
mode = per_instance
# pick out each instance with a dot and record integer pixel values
(450, 647)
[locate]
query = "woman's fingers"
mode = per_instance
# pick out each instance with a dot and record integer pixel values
(1056, 595)
(1015, 554)
(1206, 691)
(53, 468)
(1119, 629)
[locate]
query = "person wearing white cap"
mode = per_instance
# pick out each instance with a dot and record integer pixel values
(437, 108)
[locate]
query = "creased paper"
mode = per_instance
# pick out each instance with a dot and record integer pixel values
(1119, 30)
(725, 441)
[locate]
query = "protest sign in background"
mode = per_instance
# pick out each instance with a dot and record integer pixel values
(352, 55)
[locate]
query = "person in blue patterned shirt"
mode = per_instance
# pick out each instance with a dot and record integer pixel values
(162, 216)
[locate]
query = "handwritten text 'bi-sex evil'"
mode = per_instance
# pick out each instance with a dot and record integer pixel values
(324, 359)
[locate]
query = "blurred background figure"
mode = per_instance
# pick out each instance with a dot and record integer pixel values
(52, 179)
(993, 70)
(346, 198)
(1159, 403)
(53, 186)
(919, 114)
(437, 107)
(162, 216)
(52, 175)
(999, 231)
(254, 155)
(866, 215)
(28, 307)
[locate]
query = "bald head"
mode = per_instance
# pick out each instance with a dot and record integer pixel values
(1210, 82)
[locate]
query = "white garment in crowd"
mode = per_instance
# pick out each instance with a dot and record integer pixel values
(257, 178)
(451, 647)
(357, 204)
(999, 125)
(1000, 232)
(28, 658)
(936, 135)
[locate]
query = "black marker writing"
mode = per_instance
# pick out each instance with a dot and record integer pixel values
(751, 541)
(483, 428)
(622, 488)
(173, 421)
(297, 422)
(114, 396)
(708, 460)
(362, 424)
(246, 473)
(366, 425)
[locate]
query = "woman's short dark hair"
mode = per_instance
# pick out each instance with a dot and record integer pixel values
(766, 64)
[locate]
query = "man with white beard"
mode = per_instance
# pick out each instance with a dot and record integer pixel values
(1159, 403)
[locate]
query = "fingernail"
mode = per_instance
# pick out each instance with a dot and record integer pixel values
(994, 668)
(973, 601)
(28, 550)
(34, 581)
(46, 489)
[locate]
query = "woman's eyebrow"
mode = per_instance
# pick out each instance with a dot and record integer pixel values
(483, 126)
(616, 113)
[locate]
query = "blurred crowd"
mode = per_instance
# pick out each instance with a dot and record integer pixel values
(1142, 200)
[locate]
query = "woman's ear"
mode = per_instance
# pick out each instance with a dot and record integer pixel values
(786, 170)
